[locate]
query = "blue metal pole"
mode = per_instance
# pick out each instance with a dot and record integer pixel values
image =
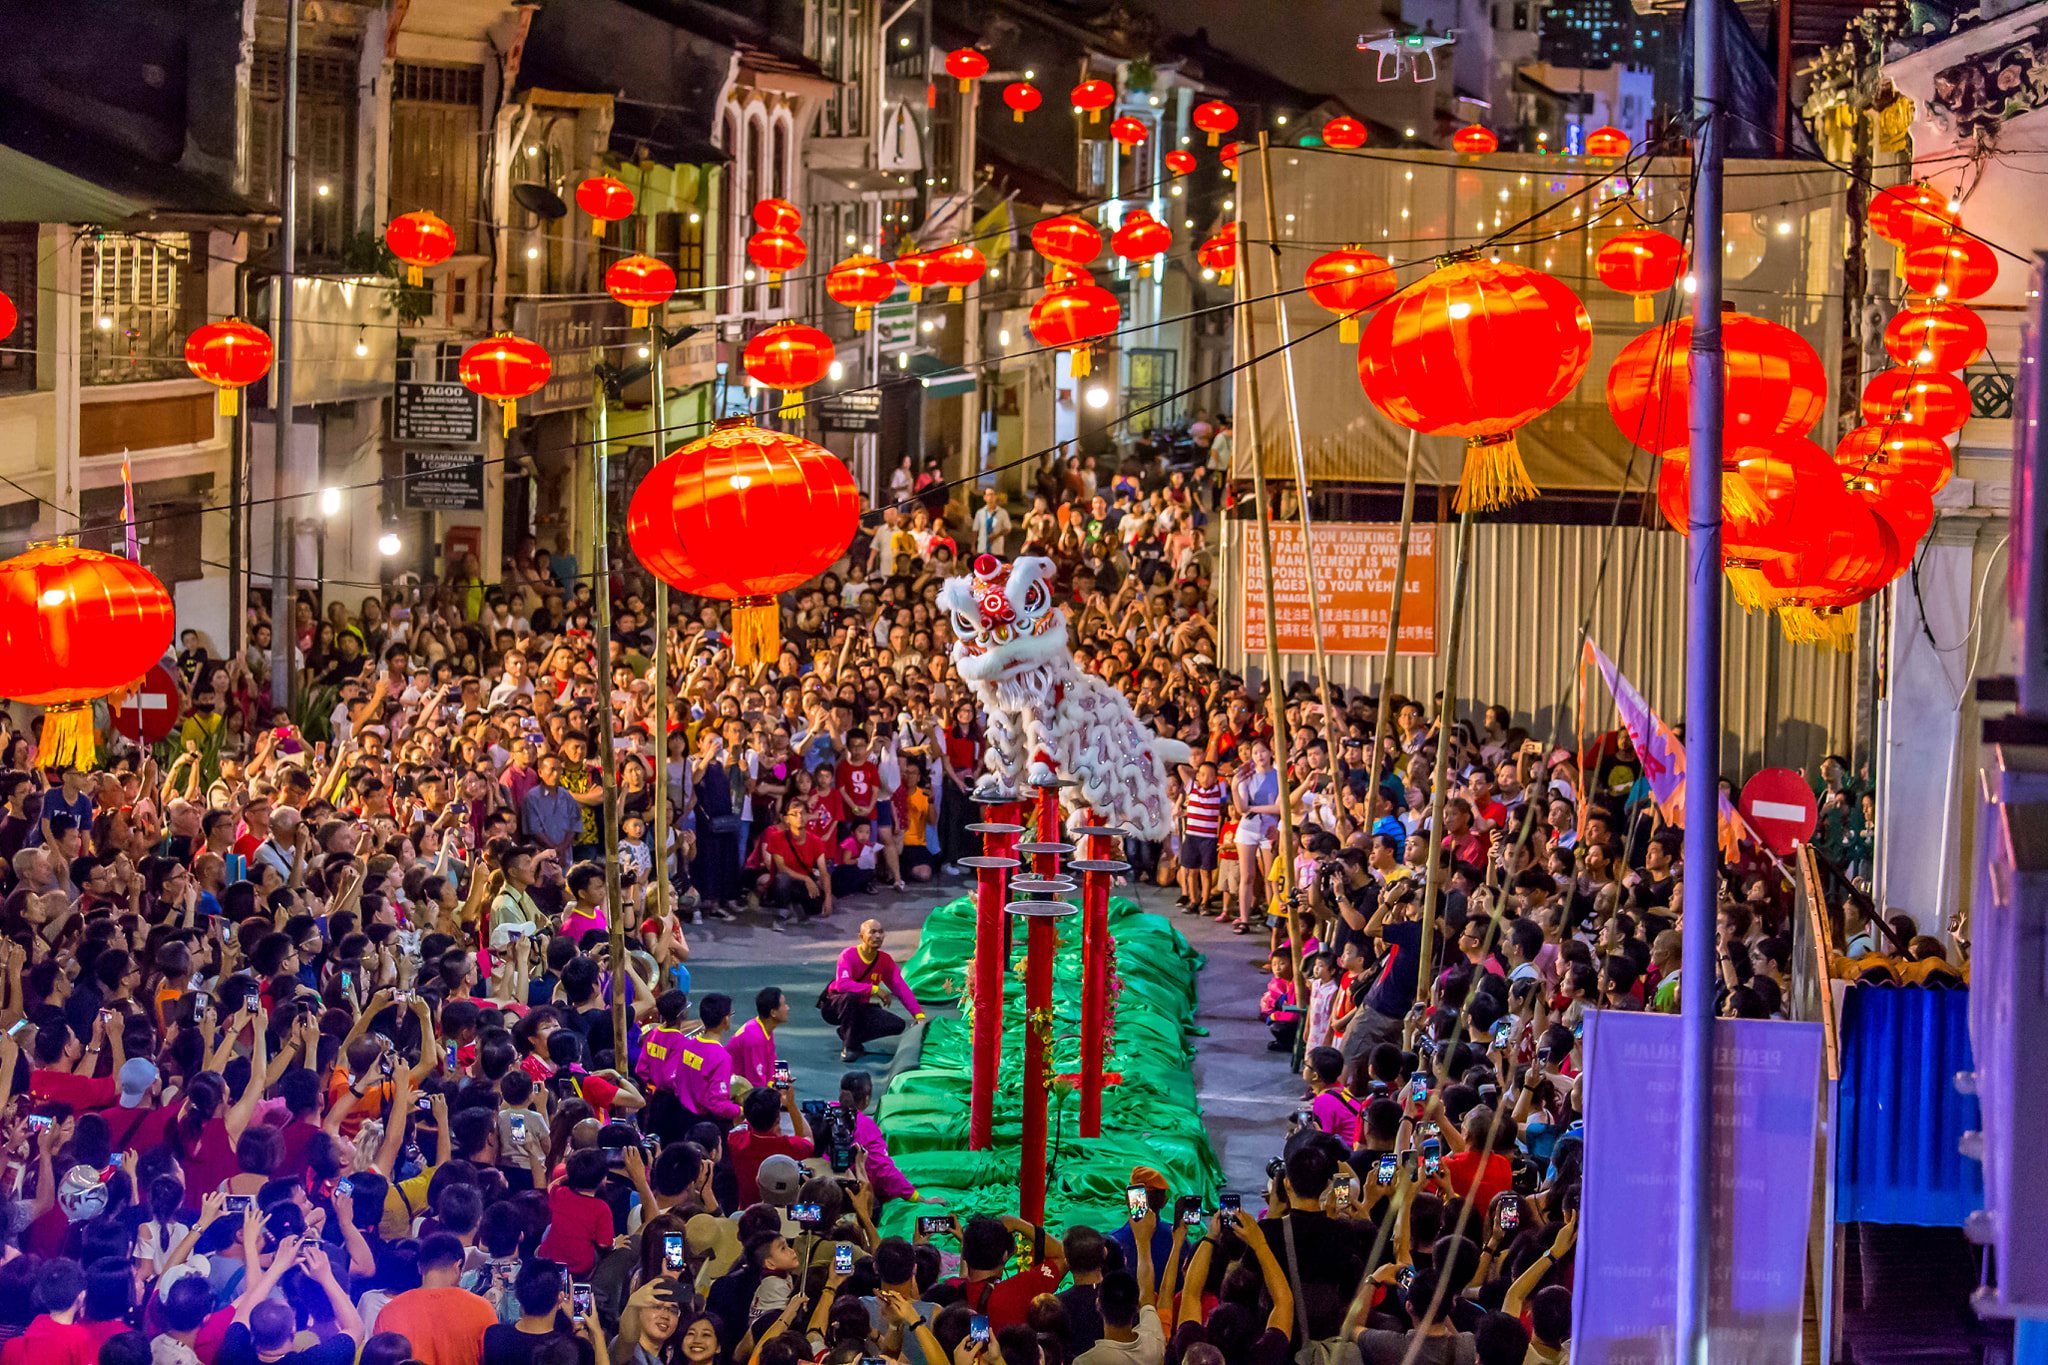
(1702, 706)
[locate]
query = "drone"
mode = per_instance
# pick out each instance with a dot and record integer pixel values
(1414, 51)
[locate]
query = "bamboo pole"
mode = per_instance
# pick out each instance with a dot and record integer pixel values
(607, 757)
(658, 839)
(1383, 710)
(1433, 880)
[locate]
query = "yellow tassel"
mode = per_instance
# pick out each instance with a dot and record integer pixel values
(756, 630)
(955, 294)
(639, 317)
(860, 318)
(1646, 311)
(1226, 275)
(1017, 116)
(230, 401)
(965, 85)
(1838, 629)
(1212, 139)
(1144, 270)
(1081, 361)
(1494, 476)
(414, 275)
(775, 278)
(511, 413)
(916, 293)
(1750, 587)
(792, 405)
(597, 227)
(1740, 504)
(1347, 330)
(67, 740)
(1095, 116)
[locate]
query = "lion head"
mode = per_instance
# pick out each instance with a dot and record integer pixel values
(1003, 617)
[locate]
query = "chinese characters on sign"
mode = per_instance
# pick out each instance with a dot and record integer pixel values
(1354, 568)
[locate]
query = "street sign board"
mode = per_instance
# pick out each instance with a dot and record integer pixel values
(859, 410)
(153, 711)
(443, 481)
(1780, 808)
(436, 413)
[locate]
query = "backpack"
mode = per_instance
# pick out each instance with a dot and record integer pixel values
(1329, 1350)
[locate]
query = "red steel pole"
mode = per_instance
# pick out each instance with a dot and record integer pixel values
(1041, 943)
(1096, 869)
(991, 890)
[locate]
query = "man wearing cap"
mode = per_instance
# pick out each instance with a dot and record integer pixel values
(714, 1245)
(1162, 1232)
(137, 1084)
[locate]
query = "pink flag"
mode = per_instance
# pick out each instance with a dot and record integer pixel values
(1661, 751)
(128, 509)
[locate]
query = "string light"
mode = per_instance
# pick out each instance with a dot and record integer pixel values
(330, 501)
(388, 544)
(362, 344)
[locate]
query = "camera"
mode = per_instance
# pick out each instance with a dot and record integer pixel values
(838, 1137)
(1276, 1169)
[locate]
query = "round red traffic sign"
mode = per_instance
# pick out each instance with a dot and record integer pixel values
(152, 712)
(1780, 808)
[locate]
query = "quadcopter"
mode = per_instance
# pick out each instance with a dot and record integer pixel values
(1415, 51)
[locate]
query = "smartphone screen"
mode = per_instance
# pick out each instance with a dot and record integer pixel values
(672, 1251)
(977, 1328)
(1228, 1202)
(239, 1203)
(1343, 1196)
(934, 1224)
(1191, 1217)
(580, 1300)
(519, 1128)
(842, 1259)
(1136, 1198)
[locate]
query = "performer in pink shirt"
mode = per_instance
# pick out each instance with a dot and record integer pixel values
(852, 1003)
(752, 1045)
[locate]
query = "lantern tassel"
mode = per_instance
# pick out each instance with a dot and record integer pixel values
(597, 227)
(1213, 139)
(1145, 270)
(67, 740)
(1081, 361)
(965, 85)
(1646, 311)
(1347, 330)
(414, 275)
(756, 630)
(230, 401)
(955, 294)
(917, 293)
(860, 318)
(792, 405)
(1095, 116)
(639, 317)
(1739, 502)
(1750, 587)
(1494, 476)
(1016, 116)
(1226, 275)
(511, 415)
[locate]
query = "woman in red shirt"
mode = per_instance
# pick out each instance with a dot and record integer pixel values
(963, 746)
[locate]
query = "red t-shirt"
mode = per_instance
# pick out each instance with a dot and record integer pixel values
(80, 1092)
(1005, 1303)
(822, 820)
(1498, 1177)
(579, 1227)
(49, 1342)
(749, 1149)
(861, 783)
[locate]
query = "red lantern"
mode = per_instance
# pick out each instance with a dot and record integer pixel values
(1141, 238)
(1775, 383)
(605, 199)
(1474, 140)
(1092, 97)
(1344, 133)
(641, 283)
(1855, 554)
(1022, 97)
(964, 65)
(1075, 316)
(920, 270)
(75, 625)
(1927, 398)
(777, 215)
(1951, 267)
(960, 265)
(789, 357)
(1934, 335)
(1215, 118)
(776, 252)
(1902, 505)
(9, 317)
(1127, 132)
(1180, 161)
(860, 282)
(1904, 214)
(505, 368)
(1219, 254)
(1067, 239)
(741, 515)
(1228, 156)
(1348, 282)
(1068, 274)
(1607, 142)
(1774, 501)
(1477, 349)
(1897, 450)
(230, 355)
(1643, 263)
(419, 239)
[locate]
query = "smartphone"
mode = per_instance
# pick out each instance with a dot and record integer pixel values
(1432, 1157)
(842, 1259)
(1139, 1201)
(238, 1203)
(384, 1064)
(1343, 1196)
(348, 981)
(1194, 1217)
(1510, 1213)
(977, 1328)
(1418, 1091)
(934, 1224)
(424, 1103)
(580, 1302)
(781, 1074)
(807, 1215)
(1501, 1033)
(1304, 1118)
(1384, 1174)
(14, 1029)
(345, 1186)
(39, 1123)
(1227, 1201)
(519, 1127)
(672, 1251)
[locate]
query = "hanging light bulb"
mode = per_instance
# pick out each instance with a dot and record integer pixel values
(362, 344)
(835, 372)
(388, 544)
(1098, 396)
(330, 501)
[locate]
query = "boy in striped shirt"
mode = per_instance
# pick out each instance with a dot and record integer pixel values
(1201, 825)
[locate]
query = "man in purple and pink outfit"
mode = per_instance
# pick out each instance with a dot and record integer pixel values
(853, 1000)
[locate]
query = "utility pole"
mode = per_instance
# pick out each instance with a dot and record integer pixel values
(607, 755)
(1702, 709)
(970, 308)
(281, 393)
(658, 339)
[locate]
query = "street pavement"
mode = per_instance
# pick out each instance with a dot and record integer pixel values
(1246, 1092)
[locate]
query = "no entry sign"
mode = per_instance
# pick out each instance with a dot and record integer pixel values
(1780, 808)
(149, 715)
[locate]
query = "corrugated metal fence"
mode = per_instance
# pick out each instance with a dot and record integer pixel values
(1783, 705)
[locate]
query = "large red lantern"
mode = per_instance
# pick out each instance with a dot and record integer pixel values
(505, 368)
(1067, 239)
(605, 199)
(1773, 501)
(9, 316)
(1855, 554)
(76, 625)
(1180, 161)
(230, 355)
(921, 270)
(741, 515)
(966, 65)
(1091, 97)
(1219, 254)
(1474, 140)
(1905, 214)
(1141, 239)
(1610, 142)
(776, 251)
(1074, 317)
(1127, 132)
(1950, 267)
(1477, 349)
(1348, 281)
(1228, 156)
(1022, 97)
(1642, 263)
(777, 215)
(1215, 118)
(1902, 505)
(1935, 335)
(860, 282)
(419, 239)
(960, 265)
(1927, 398)
(641, 283)
(1775, 384)
(789, 357)
(1897, 450)
(1344, 133)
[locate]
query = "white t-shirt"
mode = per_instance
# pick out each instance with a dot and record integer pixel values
(1148, 1349)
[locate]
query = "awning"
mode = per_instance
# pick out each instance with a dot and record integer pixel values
(54, 172)
(856, 182)
(939, 378)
